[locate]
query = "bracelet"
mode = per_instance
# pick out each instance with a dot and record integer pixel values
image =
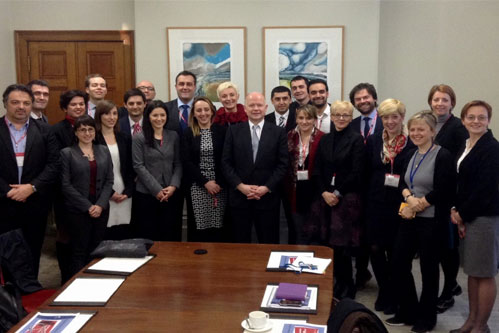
(407, 196)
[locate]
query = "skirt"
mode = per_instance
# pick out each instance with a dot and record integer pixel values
(481, 247)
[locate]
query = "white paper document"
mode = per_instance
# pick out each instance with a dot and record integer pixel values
(275, 258)
(309, 265)
(89, 291)
(56, 322)
(118, 265)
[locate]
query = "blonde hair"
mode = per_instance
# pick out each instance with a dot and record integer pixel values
(193, 122)
(226, 85)
(307, 109)
(390, 106)
(427, 116)
(341, 105)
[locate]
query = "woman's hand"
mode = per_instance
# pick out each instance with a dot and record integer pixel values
(407, 213)
(456, 219)
(330, 198)
(95, 211)
(168, 192)
(417, 204)
(212, 187)
(116, 197)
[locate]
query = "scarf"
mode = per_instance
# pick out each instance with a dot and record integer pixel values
(391, 148)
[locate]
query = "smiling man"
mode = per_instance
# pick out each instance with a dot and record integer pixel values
(318, 91)
(283, 116)
(96, 88)
(40, 90)
(28, 168)
(135, 103)
(254, 162)
(364, 97)
(179, 108)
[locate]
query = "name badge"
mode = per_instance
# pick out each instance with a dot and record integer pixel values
(20, 159)
(392, 180)
(302, 174)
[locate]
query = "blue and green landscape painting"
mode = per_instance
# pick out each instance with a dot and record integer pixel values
(306, 59)
(211, 64)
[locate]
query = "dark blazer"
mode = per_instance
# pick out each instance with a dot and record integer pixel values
(478, 180)
(76, 178)
(191, 153)
(358, 127)
(124, 143)
(64, 134)
(159, 166)
(41, 161)
(268, 169)
(290, 123)
(342, 154)
(122, 112)
(452, 135)
(173, 121)
(125, 126)
(444, 184)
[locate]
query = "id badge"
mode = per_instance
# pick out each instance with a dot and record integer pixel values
(302, 175)
(20, 159)
(392, 180)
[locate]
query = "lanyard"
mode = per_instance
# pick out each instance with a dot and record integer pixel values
(413, 171)
(370, 127)
(16, 143)
(303, 151)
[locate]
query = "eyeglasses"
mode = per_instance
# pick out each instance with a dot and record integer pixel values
(479, 118)
(341, 116)
(146, 88)
(89, 130)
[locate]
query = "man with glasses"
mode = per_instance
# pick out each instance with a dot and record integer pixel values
(148, 89)
(40, 90)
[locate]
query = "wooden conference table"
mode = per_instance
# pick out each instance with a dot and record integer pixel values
(179, 291)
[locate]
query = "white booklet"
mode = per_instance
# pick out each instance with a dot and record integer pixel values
(279, 260)
(118, 266)
(89, 291)
(313, 265)
(56, 322)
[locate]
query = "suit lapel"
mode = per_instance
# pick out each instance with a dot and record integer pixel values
(264, 138)
(246, 140)
(31, 137)
(7, 142)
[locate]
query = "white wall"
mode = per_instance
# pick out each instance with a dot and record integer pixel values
(360, 18)
(423, 43)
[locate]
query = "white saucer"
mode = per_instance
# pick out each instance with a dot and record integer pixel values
(244, 324)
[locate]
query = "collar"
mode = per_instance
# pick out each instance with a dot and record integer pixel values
(370, 115)
(132, 122)
(91, 105)
(259, 124)
(278, 115)
(35, 116)
(11, 125)
(180, 103)
(327, 112)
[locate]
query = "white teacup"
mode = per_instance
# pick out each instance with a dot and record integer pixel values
(257, 319)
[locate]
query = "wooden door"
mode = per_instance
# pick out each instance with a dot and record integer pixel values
(64, 59)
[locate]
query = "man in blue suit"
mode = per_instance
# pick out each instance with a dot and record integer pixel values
(364, 97)
(254, 162)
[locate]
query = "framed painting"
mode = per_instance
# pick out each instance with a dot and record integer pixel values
(213, 54)
(312, 52)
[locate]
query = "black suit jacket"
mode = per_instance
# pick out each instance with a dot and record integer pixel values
(64, 134)
(358, 127)
(191, 153)
(478, 180)
(290, 123)
(125, 126)
(452, 135)
(173, 121)
(268, 169)
(124, 143)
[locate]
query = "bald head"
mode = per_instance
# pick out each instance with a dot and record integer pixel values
(255, 107)
(148, 89)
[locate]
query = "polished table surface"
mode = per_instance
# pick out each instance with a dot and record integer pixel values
(179, 291)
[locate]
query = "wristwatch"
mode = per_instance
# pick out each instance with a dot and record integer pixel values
(33, 187)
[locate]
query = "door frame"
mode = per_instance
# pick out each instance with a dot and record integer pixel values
(23, 37)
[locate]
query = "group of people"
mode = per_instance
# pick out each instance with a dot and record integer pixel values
(370, 184)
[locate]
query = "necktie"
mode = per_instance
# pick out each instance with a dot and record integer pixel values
(184, 117)
(366, 127)
(254, 140)
(281, 121)
(136, 129)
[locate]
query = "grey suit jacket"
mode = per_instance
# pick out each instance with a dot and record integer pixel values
(76, 178)
(159, 166)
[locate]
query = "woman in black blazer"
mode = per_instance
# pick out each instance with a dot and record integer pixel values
(202, 148)
(87, 184)
(427, 185)
(338, 174)
(120, 147)
(451, 135)
(476, 213)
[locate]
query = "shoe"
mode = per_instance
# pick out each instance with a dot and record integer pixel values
(362, 278)
(422, 328)
(395, 321)
(457, 290)
(445, 304)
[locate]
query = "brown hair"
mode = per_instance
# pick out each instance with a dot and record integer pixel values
(468, 105)
(307, 109)
(443, 88)
(427, 116)
(193, 122)
(104, 107)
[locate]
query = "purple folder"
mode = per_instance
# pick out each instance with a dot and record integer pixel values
(291, 291)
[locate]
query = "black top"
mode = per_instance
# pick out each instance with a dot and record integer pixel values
(342, 154)
(452, 135)
(64, 134)
(191, 154)
(478, 180)
(124, 142)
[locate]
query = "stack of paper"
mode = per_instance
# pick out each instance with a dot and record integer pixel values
(297, 261)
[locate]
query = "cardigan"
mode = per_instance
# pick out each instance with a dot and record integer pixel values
(452, 135)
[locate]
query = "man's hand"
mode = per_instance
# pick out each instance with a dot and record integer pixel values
(258, 192)
(95, 211)
(330, 198)
(20, 192)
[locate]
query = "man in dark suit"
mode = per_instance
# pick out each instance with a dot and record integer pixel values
(364, 97)
(299, 89)
(179, 108)
(283, 116)
(40, 90)
(29, 166)
(254, 162)
(135, 102)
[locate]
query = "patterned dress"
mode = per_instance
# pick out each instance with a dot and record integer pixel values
(208, 210)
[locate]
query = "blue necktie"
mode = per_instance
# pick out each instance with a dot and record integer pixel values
(185, 117)
(366, 127)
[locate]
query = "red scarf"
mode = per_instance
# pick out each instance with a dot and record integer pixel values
(391, 148)
(71, 120)
(222, 117)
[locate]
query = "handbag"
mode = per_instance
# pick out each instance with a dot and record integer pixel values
(11, 308)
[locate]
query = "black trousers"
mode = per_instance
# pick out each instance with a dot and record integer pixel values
(85, 233)
(266, 224)
(157, 220)
(418, 235)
